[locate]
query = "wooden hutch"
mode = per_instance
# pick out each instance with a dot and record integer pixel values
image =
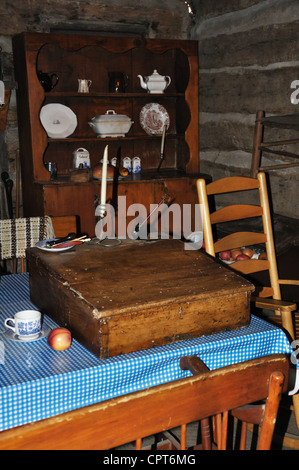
(72, 57)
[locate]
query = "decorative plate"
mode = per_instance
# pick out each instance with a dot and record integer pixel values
(153, 117)
(58, 120)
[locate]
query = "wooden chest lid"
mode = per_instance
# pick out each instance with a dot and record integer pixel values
(137, 274)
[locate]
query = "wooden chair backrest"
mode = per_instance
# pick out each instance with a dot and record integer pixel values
(19, 234)
(129, 418)
(245, 238)
(64, 224)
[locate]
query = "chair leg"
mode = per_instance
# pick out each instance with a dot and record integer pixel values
(14, 266)
(272, 404)
(221, 430)
(287, 322)
(138, 444)
(218, 426)
(224, 430)
(243, 436)
(183, 436)
(295, 399)
(205, 434)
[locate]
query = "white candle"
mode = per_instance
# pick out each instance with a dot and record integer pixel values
(104, 178)
(163, 139)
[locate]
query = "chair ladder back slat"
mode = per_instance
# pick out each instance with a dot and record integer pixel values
(235, 212)
(231, 184)
(251, 266)
(238, 239)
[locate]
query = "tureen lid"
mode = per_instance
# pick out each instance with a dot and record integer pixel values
(110, 115)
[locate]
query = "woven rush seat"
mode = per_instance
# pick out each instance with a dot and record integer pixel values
(16, 235)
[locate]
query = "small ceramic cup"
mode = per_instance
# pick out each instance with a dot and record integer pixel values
(84, 85)
(25, 324)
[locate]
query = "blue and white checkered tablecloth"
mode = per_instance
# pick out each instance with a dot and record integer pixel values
(37, 382)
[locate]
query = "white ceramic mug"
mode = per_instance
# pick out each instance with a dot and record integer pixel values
(26, 324)
(84, 85)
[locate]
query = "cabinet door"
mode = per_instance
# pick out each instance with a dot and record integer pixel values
(131, 203)
(80, 199)
(183, 216)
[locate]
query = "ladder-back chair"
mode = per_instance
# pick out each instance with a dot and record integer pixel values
(275, 147)
(267, 297)
(16, 235)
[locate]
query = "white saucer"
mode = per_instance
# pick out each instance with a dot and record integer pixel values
(11, 335)
(42, 245)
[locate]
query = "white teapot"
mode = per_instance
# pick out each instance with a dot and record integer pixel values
(155, 83)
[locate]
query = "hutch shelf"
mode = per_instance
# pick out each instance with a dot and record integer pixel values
(71, 58)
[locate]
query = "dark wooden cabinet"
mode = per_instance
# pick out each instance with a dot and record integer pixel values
(92, 57)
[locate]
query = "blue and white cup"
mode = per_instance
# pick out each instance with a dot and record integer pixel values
(26, 325)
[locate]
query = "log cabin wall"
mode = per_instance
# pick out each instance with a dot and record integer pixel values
(248, 53)
(248, 60)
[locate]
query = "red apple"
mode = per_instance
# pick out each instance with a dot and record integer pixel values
(225, 255)
(236, 252)
(60, 339)
(242, 257)
(248, 252)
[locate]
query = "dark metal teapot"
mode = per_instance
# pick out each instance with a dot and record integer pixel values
(48, 81)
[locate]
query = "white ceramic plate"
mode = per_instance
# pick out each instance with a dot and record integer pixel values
(42, 246)
(153, 117)
(58, 120)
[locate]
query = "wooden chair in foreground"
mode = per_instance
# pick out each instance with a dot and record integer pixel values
(131, 417)
(253, 413)
(16, 235)
(266, 297)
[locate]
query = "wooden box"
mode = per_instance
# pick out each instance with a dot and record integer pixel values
(137, 295)
(79, 175)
